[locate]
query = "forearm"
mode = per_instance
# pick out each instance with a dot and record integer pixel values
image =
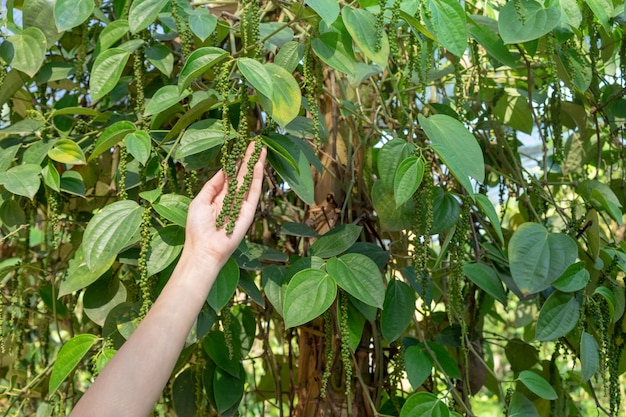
(133, 380)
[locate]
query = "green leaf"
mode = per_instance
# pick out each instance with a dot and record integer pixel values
(111, 33)
(589, 356)
(39, 14)
(173, 207)
(602, 197)
(71, 13)
(70, 354)
(51, 177)
(408, 178)
(284, 103)
(164, 98)
(111, 136)
(336, 241)
(424, 404)
(391, 216)
(489, 210)
(328, 10)
(79, 275)
(537, 385)
(537, 258)
(289, 55)
(67, 151)
(139, 145)
(199, 137)
(512, 109)
(72, 183)
(183, 393)
(228, 390)
(521, 355)
(574, 278)
(335, 49)
(603, 10)
(537, 21)
(298, 229)
(417, 364)
(106, 72)
(558, 316)
(225, 285)
(390, 156)
(143, 13)
(22, 180)
(164, 248)
(215, 346)
(480, 29)
(109, 231)
(457, 147)
(102, 297)
(202, 23)
(521, 406)
(25, 51)
(300, 180)
(309, 293)
(398, 310)
(610, 299)
(359, 276)
(447, 22)
(161, 57)
(199, 62)
(361, 25)
(257, 75)
(486, 279)
(274, 144)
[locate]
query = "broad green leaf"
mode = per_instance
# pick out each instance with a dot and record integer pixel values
(309, 293)
(79, 275)
(143, 13)
(361, 25)
(300, 180)
(39, 14)
(391, 216)
(445, 361)
(328, 10)
(202, 23)
(173, 207)
(457, 147)
(70, 354)
(447, 22)
(537, 258)
(480, 29)
(512, 110)
(521, 406)
(139, 145)
(215, 346)
(199, 62)
(111, 136)
(275, 146)
(589, 356)
(22, 180)
(199, 137)
(416, 24)
(356, 324)
(112, 33)
(424, 404)
(76, 111)
(298, 229)
(398, 310)
(109, 230)
(164, 248)
(225, 285)
(275, 34)
(575, 68)
(289, 55)
(390, 156)
(336, 241)
(284, 103)
(106, 72)
(71, 13)
(574, 278)
(72, 183)
(602, 197)
(521, 355)
(558, 316)
(417, 364)
(22, 127)
(407, 179)
(101, 297)
(486, 279)
(67, 151)
(610, 299)
(161, 57)
(25, 51)
(164, 98)
(486, 206)
(152, 195)
(183, 393)
(603, 10)
(335, 50)
(256, 74)
(51, 177)
(538, 385)
(359, 276)
(274, 286)
(537, 21)
(228, 390)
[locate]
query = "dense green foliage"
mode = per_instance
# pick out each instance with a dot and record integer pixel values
(441, 231)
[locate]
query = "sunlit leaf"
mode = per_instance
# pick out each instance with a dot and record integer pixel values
(69, 356)
(558, 316)
(361, 24)
(173, 207)
(67, 151)
(537, 385)
(198, 62)
(537, 21)
(139, 145)
(309, 293)
(202, 23)
(224, 286)
(336, 241)
(143, 13)
(71, 13)
(359, 276)
(22, 180)
(106, 72)
(407, 179)
(327, 9)
(25, 51)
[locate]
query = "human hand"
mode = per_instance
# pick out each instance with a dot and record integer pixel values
(204, 241)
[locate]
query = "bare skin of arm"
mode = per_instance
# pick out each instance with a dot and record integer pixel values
(132, 381)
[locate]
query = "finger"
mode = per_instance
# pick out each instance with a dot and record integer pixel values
(213, 187)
